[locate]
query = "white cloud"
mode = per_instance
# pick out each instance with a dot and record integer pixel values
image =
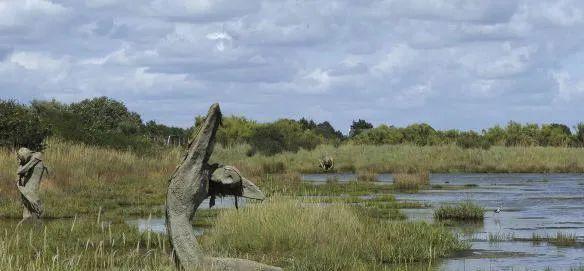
(377, 58)
(16, 13)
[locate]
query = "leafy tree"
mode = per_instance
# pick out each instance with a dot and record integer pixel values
(20, 127)
(283, 135)
(359, 126)
(104, 115)
(579, 135)
(495, 135)
(326, 130)
(557, 135)
(472, 140)
(380, 135)
(518, 135)
(420, 134)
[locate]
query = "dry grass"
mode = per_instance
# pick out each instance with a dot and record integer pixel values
(83, 179)
(407, 158)
(411, 181)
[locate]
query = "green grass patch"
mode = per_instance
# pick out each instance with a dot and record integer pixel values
(464, 211)
(278, 231)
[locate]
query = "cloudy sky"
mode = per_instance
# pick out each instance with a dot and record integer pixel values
(450, 63)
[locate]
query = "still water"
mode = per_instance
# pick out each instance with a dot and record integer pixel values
(541, 204)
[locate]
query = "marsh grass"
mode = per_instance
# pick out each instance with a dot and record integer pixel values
(411, 181)
(81, 244)
(463, 211)
(329, 237)
(82, 179)
(367, 175)
(409, 158)
(560, 239)
(563, 239)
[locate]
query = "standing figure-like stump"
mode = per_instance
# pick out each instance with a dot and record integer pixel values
(326, 163)
(193, 181)
(30, 173)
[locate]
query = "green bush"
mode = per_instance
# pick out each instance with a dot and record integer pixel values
(283, 135)
(472, 140)
(20, 127)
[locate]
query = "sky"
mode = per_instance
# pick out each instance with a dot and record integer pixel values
(450, 63)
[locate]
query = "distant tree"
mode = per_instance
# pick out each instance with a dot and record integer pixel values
(519, 135)
(472, 140)
(420, 134)
(105, 115)
(359, 126)
(554, 134)
(283, 135)
(380, 135)
(307, 124)
(579, 135)
(495, 135)
(20, 126)
(326, 130)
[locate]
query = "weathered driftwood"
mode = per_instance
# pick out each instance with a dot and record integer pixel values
(30, 173)
(193, 181)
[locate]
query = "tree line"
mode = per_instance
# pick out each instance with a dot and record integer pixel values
(106, 122)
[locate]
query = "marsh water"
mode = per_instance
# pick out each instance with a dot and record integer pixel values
(541, 204)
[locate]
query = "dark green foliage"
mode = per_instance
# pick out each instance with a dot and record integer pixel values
(380, 135)
(358, 127)
(160, 133)
(105, 122)
(579, 135)
(105, 115)
(326, 130)
(472, 140)
(283, 135)
(420, 134)
(20, 126)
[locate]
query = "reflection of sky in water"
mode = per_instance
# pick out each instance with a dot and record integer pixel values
(158, 225)
(532, 203)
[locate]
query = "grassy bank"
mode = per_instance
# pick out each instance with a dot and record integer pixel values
(406, 158)
(83, 179)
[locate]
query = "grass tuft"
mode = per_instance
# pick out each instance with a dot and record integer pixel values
(411, 181)
(464, 211)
